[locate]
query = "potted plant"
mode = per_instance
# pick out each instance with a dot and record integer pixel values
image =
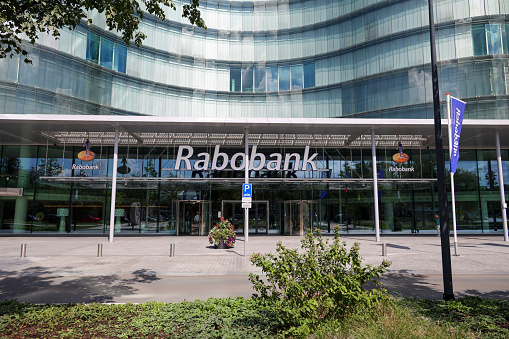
(222, 235)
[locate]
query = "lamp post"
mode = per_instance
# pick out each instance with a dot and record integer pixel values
(443, 210)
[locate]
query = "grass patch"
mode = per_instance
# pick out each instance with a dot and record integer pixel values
(469, 317)
(214, 318)
(486, 318)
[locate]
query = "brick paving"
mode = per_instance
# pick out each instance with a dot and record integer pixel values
(137, 269)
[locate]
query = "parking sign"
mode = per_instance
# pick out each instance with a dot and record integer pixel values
(246, 191)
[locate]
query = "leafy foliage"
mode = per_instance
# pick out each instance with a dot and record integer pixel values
(486, 317)
(253, 318)
(214, 318)
(223, 230)
(325, 281)
(31, 17)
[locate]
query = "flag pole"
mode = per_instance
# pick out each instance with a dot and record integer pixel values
(453, 195)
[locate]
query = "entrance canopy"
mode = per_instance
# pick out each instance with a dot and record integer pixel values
(163, 131)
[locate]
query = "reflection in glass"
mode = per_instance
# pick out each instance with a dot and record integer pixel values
(106, 53)
(247, 79)
(235, 79)
(272, 79)
(93, 43)
(260, 84)
(120, 58)
(479, 39)
(494, 39)
(309, 75)
(284, 78)
(296, 71)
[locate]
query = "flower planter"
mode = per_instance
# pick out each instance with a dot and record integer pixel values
(221, 245)
(222, 235)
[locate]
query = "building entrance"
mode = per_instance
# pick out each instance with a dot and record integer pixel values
(258, 215)
(193, 217)
(296, 215)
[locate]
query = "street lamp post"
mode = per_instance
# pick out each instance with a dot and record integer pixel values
(443, 210)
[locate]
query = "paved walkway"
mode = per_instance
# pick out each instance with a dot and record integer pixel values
(139, 269)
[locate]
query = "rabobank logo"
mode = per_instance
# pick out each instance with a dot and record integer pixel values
(87, 154)
(400, 157)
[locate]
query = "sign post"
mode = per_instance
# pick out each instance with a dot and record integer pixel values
(246, 188)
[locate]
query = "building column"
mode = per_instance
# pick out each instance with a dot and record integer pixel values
(375, 185)
(503, 204)
(21, 209)
(114, 186)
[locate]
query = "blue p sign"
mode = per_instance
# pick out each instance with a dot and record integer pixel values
(246, 190)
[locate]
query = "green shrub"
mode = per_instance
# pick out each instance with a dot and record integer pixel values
(323, 282)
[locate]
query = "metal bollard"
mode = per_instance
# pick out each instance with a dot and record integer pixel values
(99, 250)
(172, 250)
(384, 249)
(23, 250)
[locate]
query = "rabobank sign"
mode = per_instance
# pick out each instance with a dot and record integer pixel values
(258, 161)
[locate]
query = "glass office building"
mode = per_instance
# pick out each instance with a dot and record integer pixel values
(308, 80)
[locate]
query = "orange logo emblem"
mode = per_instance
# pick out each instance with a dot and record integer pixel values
(86, 155)
(400, 158)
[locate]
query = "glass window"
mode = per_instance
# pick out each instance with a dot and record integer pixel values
(272, 79)
(494, 39)
(235, 79)
(247, 79)
(120, 59)
(296, 71)
(284, 78)
(309, 75)
(505, 38)
(106, 53)
(93, 44)
(260, 84)
(479, 39)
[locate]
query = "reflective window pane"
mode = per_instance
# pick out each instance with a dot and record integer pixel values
(479, 39)
(494, 39)
(120, 58)
(247, 79)
(309, 75)
(284, 78)
(272, 79)
(296, 71)
(260, 84)
(93, 43)
(235, 79)
(106, 53)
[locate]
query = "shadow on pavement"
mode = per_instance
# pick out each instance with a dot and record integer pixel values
(491, 295)
(410, 285)
(36, 285)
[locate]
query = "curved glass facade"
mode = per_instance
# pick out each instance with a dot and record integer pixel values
(367, 59)
(62, 195)
(257, 59)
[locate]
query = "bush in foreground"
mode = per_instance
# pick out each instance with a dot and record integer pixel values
(324, 281)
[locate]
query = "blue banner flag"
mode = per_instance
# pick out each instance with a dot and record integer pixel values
(458, 109)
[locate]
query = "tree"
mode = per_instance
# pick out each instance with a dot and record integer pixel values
(30, 17)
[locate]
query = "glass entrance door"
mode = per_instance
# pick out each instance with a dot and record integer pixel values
(258, 216)
(193, 217)
(298, 216)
